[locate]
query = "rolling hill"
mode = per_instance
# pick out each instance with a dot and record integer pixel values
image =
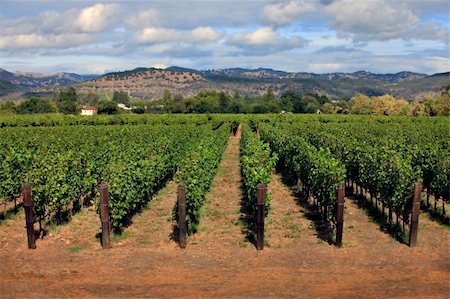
(152, 82)
(37, 80)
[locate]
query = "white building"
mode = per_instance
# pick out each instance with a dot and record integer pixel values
(87, 110)
(122, 106)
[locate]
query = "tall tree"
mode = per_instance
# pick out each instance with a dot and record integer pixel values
(360, 104)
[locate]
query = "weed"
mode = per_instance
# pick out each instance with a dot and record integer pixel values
(53, 228)
(243, 243)
(74, 249)
(346, 244)
(213, 213)
(122, 235)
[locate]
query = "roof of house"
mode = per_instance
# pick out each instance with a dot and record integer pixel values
(89, 108)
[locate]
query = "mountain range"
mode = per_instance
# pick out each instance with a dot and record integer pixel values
(152, 82)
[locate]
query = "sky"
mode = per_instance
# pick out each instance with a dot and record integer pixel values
(95, 37)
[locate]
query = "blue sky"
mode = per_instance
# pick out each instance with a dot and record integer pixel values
(382, 36)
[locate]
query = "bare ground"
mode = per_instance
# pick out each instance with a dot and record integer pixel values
(145, 262)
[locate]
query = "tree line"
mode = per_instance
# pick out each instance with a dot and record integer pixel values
(67, 101)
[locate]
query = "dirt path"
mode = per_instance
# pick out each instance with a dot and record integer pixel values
(286, 224)
(153, 227)
(220, 222)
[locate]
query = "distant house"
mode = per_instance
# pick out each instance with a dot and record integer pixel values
(285, 112)
(88, 110)
(122, 106)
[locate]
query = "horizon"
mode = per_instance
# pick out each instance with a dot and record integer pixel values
(212, 69)
(326, 36)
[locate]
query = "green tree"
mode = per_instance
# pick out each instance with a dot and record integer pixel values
(310, 104)
(91, 98)
(121, 97)
(68, 95)
(167, 101)
(286, 104)
(8, 107)
(67, 107)
(107, 107)
(260, 108)
(442, 104)
(36, 105)
(269, 96)
(429, 104)
(224, 102)
(289, 101)
(328, 108)
(66, 101)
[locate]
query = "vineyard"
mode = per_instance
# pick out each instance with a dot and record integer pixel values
(379, 161)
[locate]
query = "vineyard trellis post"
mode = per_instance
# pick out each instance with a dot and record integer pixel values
(181, 192)
(340, 215)
(104, 216)
(29, 221)
(260, 211)
(414, 226)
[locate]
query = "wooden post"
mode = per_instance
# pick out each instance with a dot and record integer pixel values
(261, 194)
(104, 216)
(29, 221)
(414, 226)
(182, 232)
(340, 215)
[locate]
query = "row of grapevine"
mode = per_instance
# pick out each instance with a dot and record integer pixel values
(257, 163)
(197, 170)
(385, 156)
(388, 166)
(316, 169)
(56, 120)
(64, 165)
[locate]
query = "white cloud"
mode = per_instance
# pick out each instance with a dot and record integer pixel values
(325, 67)
(264, 36)
(152, 35)
(157, 35)
(380, 20)
(205, 34)
(34, 41)
(265, 39)
(374, 19)
(58, 30)
(286, 13)
(96, 18)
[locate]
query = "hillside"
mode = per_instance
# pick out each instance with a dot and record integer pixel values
(149, 83)
(37, 80)
(152, 82)
(7, 87)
